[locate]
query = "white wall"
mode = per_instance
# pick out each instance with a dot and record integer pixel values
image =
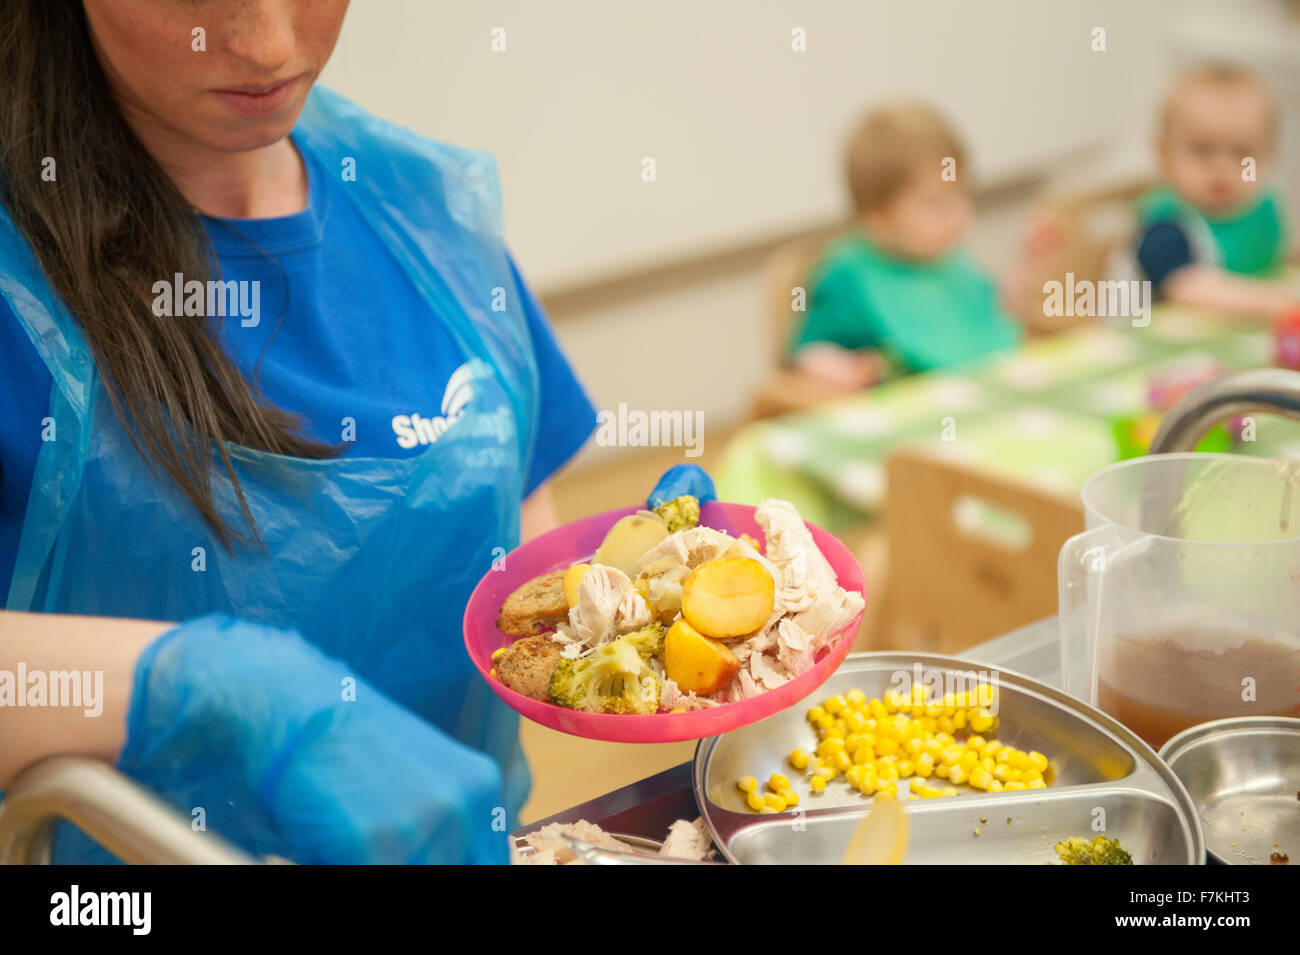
(747, 134)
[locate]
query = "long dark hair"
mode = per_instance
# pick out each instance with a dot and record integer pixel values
(110, 226)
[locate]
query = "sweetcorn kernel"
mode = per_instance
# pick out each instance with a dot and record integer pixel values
(952, 754)
(747, 784)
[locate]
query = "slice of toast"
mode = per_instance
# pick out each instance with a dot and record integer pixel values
(537, 605)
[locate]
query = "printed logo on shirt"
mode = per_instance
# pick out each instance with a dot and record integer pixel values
(415, 429)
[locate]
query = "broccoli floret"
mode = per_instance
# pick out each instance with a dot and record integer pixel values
(680, 513)
(1100, 851)
(649, 640)
(611, 679)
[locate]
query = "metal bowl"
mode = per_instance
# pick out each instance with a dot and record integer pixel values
(1243, 775)
(1102, 775)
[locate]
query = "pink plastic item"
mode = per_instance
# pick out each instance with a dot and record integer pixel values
(577, 542)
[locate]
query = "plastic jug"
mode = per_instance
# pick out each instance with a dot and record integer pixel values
(1180, 603)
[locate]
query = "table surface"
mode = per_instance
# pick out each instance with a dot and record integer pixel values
(649, 806)
(1043, 414)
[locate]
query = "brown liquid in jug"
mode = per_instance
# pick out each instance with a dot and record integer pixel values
(1157, 686)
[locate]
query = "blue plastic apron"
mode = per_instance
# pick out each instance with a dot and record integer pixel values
(370, 559)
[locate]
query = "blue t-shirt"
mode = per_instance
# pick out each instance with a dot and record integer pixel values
(341, 333)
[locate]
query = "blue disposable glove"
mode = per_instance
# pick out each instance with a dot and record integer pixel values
(253, 725)
(682, 479)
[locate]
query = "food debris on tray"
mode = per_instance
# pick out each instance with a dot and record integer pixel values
(1099, 851)
(686, 840)
(671, 615)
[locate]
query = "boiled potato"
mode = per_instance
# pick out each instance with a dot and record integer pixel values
(696, 663)
(728, 596)
(628, 539)
(572, 578)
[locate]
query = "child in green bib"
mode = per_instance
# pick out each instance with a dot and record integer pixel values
(897, 294)
(1213, 233)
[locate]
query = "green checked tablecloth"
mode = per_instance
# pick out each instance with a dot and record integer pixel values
(1043, 414)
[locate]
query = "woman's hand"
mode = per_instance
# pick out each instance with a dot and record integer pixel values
(291, 752)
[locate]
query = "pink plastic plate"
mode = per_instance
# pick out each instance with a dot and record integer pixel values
(577, 542)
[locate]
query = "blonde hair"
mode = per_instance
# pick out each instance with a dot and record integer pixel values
(890, 146)
(1221, 75)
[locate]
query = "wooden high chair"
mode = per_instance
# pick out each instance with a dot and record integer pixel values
(1071, 232)
(787, 267)
(972, 554)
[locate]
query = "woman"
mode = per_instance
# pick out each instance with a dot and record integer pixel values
(262, 356)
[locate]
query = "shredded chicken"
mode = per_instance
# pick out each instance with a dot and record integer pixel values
(631, 614)
(767, 671)
(828, 615)
(806, 574)
(690, 547)
(549, 847)
(671, 697)
(685, 840)
(794, 647)
(591, 619)
(688, 840)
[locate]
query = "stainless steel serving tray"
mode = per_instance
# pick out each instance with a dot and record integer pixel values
(1101, 771)
(1243, 775)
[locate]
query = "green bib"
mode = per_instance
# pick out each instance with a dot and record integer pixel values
(920, 315)
(1250, 241)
